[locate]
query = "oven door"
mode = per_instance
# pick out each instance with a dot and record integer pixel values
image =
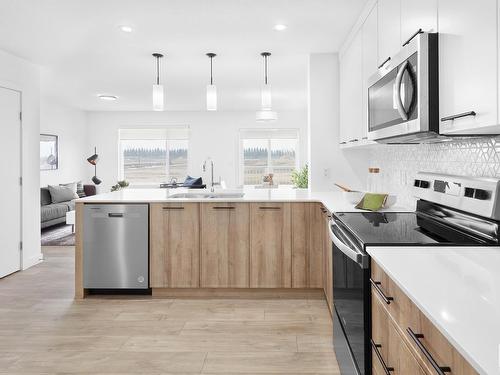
(351, 296)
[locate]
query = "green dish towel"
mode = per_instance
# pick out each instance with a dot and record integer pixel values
(372, 202)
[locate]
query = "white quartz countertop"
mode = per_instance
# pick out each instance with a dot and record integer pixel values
(333, 201)
(458, 289)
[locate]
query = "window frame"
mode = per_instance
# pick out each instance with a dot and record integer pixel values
(167, 140)
(268, 138)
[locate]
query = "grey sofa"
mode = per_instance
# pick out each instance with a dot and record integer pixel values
(55, 213)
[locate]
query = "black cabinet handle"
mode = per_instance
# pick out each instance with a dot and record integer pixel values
(115, 214)
(173, 208)
(376, 285)
(354, 140)
(269, 208)
(419, 31)
(223, 208)
(375, 347)
(441, 370)
(385, 62)
(343, 143)
(453, 117)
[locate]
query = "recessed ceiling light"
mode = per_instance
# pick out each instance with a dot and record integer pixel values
(126, 29)
(108, 97)
(279, 27)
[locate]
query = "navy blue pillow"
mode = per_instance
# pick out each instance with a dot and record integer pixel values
(193, 181)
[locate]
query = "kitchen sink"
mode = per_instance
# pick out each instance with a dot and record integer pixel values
(207, 195)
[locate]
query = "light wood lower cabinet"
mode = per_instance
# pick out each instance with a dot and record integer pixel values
(400, 320)
(270, 245)
(307, 245)
(225, 248)
(174, 245)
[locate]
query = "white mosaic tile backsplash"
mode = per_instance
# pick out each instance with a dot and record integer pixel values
(399, 163)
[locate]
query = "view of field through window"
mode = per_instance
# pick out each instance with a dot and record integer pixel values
(263, 156)
(154, 161)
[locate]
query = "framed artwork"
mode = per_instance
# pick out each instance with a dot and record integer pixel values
(49, 153)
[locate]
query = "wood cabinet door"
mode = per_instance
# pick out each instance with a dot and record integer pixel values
(468, 65)
(225, 248)
(389, 29)
(174, 245)
(270, 245)
(351, 96)
(307, 245)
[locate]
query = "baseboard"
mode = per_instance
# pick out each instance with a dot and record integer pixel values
(32, 261)
(243, 293)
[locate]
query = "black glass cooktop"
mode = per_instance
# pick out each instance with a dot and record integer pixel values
(407, 228)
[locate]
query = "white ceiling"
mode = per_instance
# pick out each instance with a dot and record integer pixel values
(84, 53)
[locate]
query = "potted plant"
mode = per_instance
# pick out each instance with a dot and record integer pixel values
(300, 177)
(120, 185)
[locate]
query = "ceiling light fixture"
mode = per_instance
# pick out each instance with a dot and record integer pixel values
(158, 101)
(266, 113)
(211, 88)
(280, 27)
(108, 97)
(126, 29)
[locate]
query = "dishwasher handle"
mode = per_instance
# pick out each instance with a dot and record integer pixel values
(115, 214)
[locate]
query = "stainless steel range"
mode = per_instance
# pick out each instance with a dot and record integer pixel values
(451, 211)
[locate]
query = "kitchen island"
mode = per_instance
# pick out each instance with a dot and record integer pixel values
(268, 242)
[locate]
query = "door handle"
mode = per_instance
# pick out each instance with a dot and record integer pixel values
(376, 347)
(397, 91)
(385, 62)
(269, 208)
(173, 208)
(419, 31)
(441, 370)
(460, 115)
(114, 214)
(376, 285)
(223, 208)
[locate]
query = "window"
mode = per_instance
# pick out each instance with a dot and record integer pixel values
(153, 156)
(264, 151)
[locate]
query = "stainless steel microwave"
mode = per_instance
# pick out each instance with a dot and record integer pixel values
(403, 96)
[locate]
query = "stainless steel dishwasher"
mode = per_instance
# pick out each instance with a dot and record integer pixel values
(116, 246)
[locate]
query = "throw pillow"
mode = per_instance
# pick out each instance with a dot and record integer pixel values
(62, 193)
(79, 189)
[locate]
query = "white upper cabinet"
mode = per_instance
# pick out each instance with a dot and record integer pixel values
(415, 15)
(468, 65)
(370, 61)
(389, 29)
(351, 92)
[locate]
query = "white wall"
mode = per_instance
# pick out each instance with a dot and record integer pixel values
(213, 134)
(19, 74)
(328, 163)
(69, 125)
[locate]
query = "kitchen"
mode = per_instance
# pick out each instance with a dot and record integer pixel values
(393, 243)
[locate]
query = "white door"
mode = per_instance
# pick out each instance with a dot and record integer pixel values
(389, 29)
(10, 170)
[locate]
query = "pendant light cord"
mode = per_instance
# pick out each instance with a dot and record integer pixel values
(211, 73)
(265, 69)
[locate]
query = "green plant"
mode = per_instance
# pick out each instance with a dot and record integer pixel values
(120, 185)
(300, 177)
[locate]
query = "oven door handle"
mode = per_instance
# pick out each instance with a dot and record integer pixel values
(397, 91)
(350, 253)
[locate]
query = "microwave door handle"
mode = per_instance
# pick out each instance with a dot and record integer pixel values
(352, 254)
(397, 91)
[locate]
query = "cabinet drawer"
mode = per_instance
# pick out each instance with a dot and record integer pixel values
(425, 341)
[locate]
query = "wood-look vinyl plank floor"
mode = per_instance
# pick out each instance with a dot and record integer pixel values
(43, 330)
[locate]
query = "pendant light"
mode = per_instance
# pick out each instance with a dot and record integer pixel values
(158, 101)
(266, 113)
(211, 88)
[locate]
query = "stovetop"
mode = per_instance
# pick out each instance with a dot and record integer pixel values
(411, 228)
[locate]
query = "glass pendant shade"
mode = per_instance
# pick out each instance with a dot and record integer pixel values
(266, 101)
(158, 97)
(211, 98)
(266, 115)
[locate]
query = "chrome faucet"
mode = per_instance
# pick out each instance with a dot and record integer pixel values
(212, 182)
